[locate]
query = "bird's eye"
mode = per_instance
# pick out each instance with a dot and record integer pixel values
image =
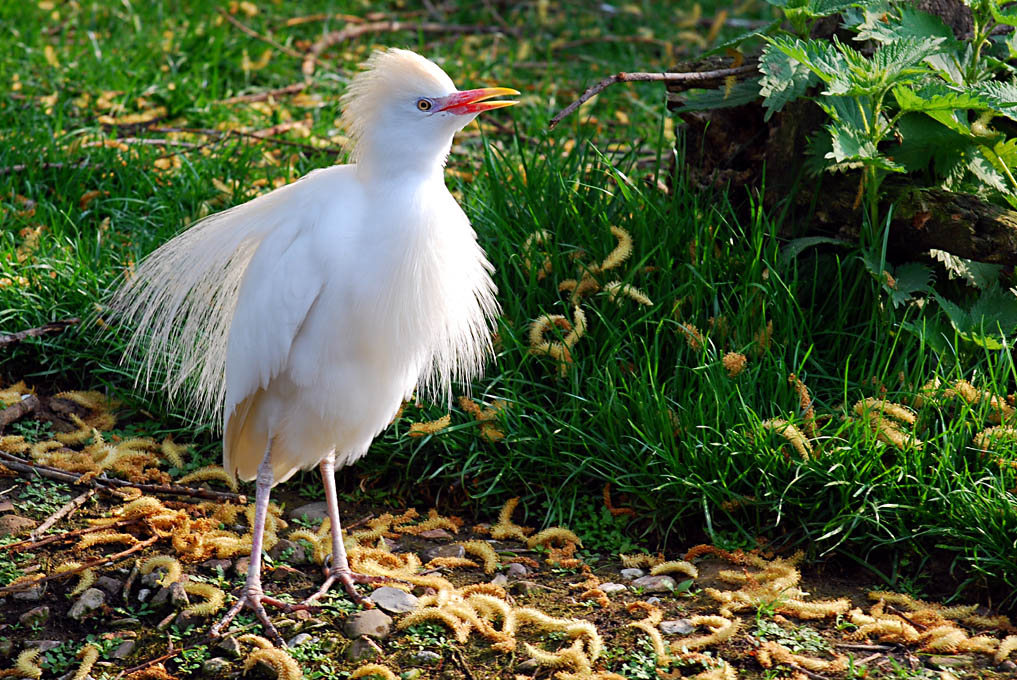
(424, 104)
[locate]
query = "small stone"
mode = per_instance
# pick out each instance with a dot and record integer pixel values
(215, 665)
(312, 512)
(33, 594)
(653, 600)
(632, 574)
(86, 605)
(161, 597)
(230, 647)
(951, 661)
(500, 580)
(185, 619)
(42, 645)
(241, 565)
(450, 550)
(6, 506)
(435, 533)
(393, 600)
(677, 627)
(426, 657)
(361, 650)
(129, 622)
(299, 640)
(152, 579)
(1007, 667)
(213, 564)
(123, 650)
(35, 617)
(144, 594)
(370, 622)
(524, 587)
(111, 585)
(528, 667)
(516, 571)
(178, 596)
(655, 584)
(12, 525)
(611, 588)
(294, 552)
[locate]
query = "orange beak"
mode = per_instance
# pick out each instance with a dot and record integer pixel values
(475, 101)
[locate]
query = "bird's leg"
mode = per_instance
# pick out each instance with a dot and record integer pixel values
(340, 567)
(252, 596)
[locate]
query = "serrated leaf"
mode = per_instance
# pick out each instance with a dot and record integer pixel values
(784, 79)
(821, 57)
(1005, 18)
(912, 23)
(991, 317)
(849, 143)
(1000, 96)
(902, 58)
(936, 97)
(987, 173)
(981, 275)
(736, 41)
(743, 92)
(924, 140)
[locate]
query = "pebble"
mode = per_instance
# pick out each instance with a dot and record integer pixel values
(524, 587)
(295, 552)
(241, 565)
(299, 640)
(393, 600)
(500, 580)
(185, 619)
(450, 550)
(632, 574)
(370, 622)
(426, 657)
(313, 512)
(144, 594)
(611, 588)
(517, 571)
(42, 645)
(123, 650)
(528, 667)
(11, 525)
(111, 585)
(33, 594)
(361, 650)
(215, 665)
(129, 622)
(678, 627)
(213, 563)
(152, 578)
(655, 584)
(952, 661)
(35, 617)
(653, 600)
(230, 647)
(86, 605)
(1007, 667)
(435, 533)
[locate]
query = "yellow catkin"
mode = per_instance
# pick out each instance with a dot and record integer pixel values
(946, 639)
(373, 670)
(676, 566)
(721, 629)
(485, 552)
(214, 598)
(998, 622)
(734, 363)
(434, 521)
(772, 651)
(14, 444)
(210, 473)
(88, 654)
(430, 427)
(887, 408)
(804, 405)
(536, 238)
(452, 563)
(506, 529)
(617, 289)
(987, 438)
(459, 628)
(102, 538)
(822, 609)
(553, 535)
(621, 252)
(790, 433)
(1007, 647)
(174, 571)
(172, 452)
(27, 664)
(284, 665)
(640, 560)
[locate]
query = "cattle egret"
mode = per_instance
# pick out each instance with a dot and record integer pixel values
(309, 314)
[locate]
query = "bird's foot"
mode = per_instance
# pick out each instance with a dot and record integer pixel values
(254, 598)
(348, 579)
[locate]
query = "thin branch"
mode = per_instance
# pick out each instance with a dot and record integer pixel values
(351, 32)
(262, 135)
(690, 77)
(41, 166)
(262, 96)
(145, 140)
(52, 326)
(22, 465)
(18, 411)
(141, 545)
(29, 544)
(68, 508)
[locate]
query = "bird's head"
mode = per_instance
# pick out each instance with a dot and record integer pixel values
(402, 110)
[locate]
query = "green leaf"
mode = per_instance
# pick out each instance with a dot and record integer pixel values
(981, 275)
(904, 282)
(784, 79)
(1005, 18)
(925, 141)
(937, 97)
(850, 145)
(821, 57)
(1001, 97)
(912, 23)
(991, 317)
(902, 58)
(796, 246)
(986, 172)
(737, 41)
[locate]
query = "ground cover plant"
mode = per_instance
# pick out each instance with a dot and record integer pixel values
(730, 386)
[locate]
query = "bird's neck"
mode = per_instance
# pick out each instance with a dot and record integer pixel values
(389, 162)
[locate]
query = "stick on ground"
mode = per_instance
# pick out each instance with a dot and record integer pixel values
(52, 326)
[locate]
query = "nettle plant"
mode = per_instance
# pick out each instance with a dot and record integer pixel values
(902, 95)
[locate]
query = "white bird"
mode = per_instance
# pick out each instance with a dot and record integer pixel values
(309, 314)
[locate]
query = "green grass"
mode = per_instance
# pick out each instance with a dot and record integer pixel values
(639, 407)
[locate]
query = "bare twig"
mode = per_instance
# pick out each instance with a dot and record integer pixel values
(262, 96)
(22, 465)
(18, 411)
(52, 326)
(68, 508)
(144, 140)
(690, 77)
(458, 656)
(264, 38)
(351, 32)
(257, 134)
(41, 166)
(141, 545)
(30, 544)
